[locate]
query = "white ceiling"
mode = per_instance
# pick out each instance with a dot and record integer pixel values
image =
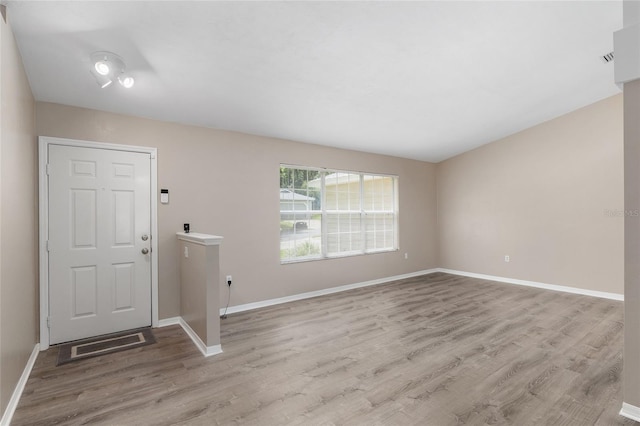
(422, 80)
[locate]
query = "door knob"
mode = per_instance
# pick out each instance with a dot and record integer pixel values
(145, 237)
(145, 250)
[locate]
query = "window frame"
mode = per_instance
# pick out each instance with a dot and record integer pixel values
(362, 212)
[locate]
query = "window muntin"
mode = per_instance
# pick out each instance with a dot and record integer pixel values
(330, 213)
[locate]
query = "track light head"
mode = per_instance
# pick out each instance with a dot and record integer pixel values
(102, 67)
(126, 81)
(108, 67)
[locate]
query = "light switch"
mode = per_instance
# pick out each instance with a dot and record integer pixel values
(186, 251)
(164, 196)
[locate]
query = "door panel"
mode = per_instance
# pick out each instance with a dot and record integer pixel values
(84, 291)
(123, 286)
(123, 218)
(99, 210)
(84, 212)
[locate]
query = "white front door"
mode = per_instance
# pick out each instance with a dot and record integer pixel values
(99, 241)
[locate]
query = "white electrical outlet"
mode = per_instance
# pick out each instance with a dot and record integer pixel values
(186, 251)
(507, 258)
(406, 255)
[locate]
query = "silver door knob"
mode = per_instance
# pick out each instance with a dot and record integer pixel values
(145, 250)
(145, 237)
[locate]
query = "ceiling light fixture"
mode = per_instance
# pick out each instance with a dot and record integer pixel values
(126, 81)
(108, 67)
(102, 67)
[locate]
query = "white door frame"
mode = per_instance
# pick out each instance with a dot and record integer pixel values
(43, 146)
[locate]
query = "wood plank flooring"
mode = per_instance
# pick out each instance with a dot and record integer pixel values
(432, 350)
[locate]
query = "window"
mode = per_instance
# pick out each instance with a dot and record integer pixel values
(331, 213)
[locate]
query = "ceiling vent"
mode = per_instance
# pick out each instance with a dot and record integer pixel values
(607, 58)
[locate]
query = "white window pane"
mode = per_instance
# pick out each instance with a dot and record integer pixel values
(357, 212)
(343, 233)
(300, 227)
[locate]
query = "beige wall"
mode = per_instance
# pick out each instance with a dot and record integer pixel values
(631, 355)
(632, 244)
(199, 274)
(18, 218)
(227, 183)
(550, 197)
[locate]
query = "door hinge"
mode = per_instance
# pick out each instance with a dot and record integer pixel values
(48, 169)
(47, 245)
(48, 322)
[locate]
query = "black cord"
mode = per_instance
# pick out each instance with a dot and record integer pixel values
(224, 316)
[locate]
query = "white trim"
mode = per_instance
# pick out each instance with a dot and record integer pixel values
(200, 239)
(206, 350)
(165, 322)
(155, 237)
(308, 295)
(43, 233)
(565, 289)
(301, 296)
(17, 392)
(630, 411)
(99, 145)
(43, 144)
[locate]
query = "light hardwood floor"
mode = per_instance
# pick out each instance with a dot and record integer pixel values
(433, 350)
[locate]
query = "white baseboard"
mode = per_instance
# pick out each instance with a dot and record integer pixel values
(310, 294)
(630, 411)
(212, 350)
(169, 321)
(206, 350)
(565, 289)
(301, 296)
(17, 392)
